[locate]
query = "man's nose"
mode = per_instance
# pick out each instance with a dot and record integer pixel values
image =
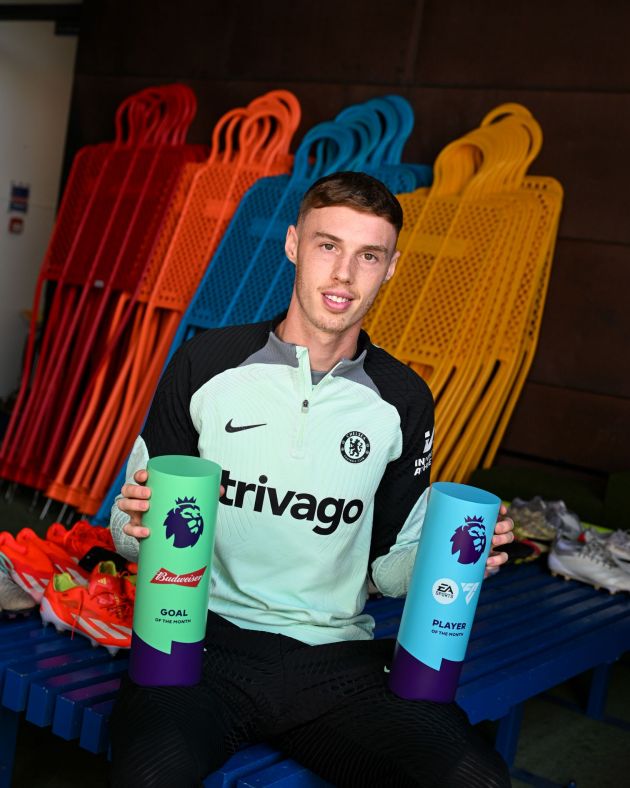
(342, 271)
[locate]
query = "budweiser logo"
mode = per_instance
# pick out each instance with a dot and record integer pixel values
(190, 579)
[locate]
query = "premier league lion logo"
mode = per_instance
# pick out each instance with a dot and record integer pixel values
(184, 522)
(469, 540)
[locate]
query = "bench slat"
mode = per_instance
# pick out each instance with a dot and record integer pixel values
(492, 696)
(243, 763)
(512, 650)
(537, 635)
(526, 601)
(94, 735)
(44, 693)
(285, 774)
(19, 678)
(48, 646)
(11, 642)
(70, 705)
(10, 627)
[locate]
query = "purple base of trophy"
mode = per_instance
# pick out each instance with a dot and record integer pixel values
(413, 680)
(150, 667)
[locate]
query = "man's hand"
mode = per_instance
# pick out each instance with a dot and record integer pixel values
(502, 535)
(135, 502)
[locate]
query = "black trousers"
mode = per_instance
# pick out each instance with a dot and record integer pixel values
(326, 706)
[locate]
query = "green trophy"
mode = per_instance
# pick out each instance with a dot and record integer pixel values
(174, 565)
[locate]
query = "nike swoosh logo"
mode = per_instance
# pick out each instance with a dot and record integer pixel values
(230, 428)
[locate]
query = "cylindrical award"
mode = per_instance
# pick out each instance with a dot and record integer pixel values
(171, 606)
(454, 543)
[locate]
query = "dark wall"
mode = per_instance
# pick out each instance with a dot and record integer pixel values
(566, 60)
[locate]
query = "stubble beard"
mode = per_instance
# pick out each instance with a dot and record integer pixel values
(330, 324)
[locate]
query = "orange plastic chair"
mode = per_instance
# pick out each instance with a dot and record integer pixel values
(262, 134)
(79, 241)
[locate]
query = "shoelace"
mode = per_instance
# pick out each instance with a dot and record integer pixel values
(530, 516)
(77, 616)
(620, 539)
(115, 605)
(604, 541)
(596, 551)
(129, 586)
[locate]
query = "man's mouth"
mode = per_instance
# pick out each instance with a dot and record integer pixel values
(336, 301)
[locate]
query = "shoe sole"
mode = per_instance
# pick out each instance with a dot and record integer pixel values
(50, 617)
(561, 571)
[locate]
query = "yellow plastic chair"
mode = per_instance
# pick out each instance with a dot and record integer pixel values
(466, 292)
(492, 417)
(498, 382)
(435, 210)
(454, 334)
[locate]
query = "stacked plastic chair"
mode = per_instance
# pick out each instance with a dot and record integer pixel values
(378, 155)
(465, 306)
(247, 143)
(250, 278)
(111, 215)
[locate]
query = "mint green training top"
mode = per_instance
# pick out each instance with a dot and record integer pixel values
(323, 482)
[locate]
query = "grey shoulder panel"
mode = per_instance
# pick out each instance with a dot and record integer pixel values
(275, 351)
(354, 371)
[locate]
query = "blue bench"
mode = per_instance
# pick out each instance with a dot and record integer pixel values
(531, 632)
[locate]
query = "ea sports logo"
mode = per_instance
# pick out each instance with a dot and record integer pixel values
(184, 522)
(445, 591)
(354, 447)
(469, 540)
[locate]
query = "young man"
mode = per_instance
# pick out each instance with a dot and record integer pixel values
(317, 432)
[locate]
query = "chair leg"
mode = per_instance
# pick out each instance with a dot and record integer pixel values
(506, 740)
(598, 691)
(9, 721)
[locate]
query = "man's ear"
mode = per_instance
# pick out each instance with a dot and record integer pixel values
(392, 266)
(291, 244)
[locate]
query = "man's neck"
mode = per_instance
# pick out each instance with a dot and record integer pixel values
(325, 349)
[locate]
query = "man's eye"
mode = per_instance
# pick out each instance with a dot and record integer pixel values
(328, 247)
(370, 257)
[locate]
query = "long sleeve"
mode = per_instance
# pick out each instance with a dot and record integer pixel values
(391, 572)
(126, 545)
(168, 430)
(400, 501)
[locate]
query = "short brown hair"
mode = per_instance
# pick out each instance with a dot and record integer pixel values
(356, 190)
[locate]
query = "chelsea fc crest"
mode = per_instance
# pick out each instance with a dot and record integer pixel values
(354, 447)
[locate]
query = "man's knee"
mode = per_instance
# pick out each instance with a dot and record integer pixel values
(148, 748)
(143, 762)
(480, 766)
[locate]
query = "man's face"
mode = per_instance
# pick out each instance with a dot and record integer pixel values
(342, 257)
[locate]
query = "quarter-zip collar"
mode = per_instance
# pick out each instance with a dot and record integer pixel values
(280, 352)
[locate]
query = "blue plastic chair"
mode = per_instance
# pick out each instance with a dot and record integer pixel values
(250, 278)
